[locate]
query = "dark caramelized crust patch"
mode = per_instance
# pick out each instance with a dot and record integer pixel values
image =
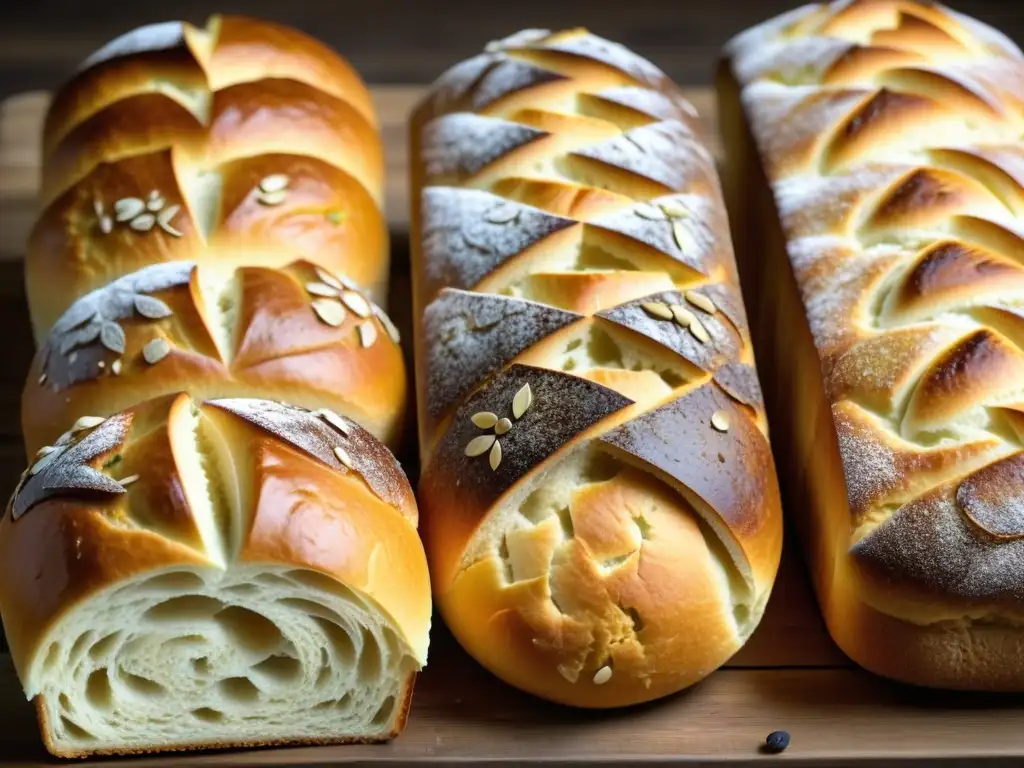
(561, 407)
(739, 381)
(679, 439)
(720, 346)
(68, 468)
(467, 233)
(928, 543)
(993, 497)
(470, 335)
(461, 145)
(949, 274)
(335, 440)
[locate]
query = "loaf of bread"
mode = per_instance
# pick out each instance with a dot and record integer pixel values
(877, 174)
(299, 333)
(228, 572)
(239, 144)
(600, 505)
(211, 546)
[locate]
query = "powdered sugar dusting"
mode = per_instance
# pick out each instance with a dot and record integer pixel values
(68, 469)
(469, 336)
(666, 152)
(467, 233)
(655, 104)
(73, 349)
(453, 84)
(462, 144)
(701, 224)
(507, 77)
(797, 62)
(869, 465)
(152, 37)
(822, 205)
(932, 544)
(988, 35)
(792, 124)
(611, 54)
(993, 497)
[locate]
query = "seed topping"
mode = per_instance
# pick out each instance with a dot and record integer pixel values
(155, 350)
(657, 309)
(720, 421)
(701, 301)
(329, 311)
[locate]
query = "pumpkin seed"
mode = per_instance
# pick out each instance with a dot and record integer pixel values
(480, 445)
(522, 401)
(484, 419)
(128, 208)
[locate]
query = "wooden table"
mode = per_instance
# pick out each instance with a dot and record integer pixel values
(789, 676)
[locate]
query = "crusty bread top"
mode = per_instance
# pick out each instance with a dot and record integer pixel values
(566, 203)
(593, 434)
(173, 481)
(300, 333)
(241, 142)
(890, 132)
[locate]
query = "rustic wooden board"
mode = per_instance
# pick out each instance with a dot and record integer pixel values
(788, 676)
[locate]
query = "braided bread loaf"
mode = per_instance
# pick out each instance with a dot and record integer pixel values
(186, 564)
(888, 133)
(238, 144)
(601, 513)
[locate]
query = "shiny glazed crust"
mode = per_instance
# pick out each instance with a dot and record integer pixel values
(238, 565)
(606, 543)
(201, 118)
(875, 148)
(255, 332)
(172, 501)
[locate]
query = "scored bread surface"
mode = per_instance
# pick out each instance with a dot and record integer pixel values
(206, 596)
(889, 135)
(240, 143)
(211, 545)
(600, 506)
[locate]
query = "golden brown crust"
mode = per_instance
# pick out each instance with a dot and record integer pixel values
(359, 529)
(277, 346)
(171, 110)
(211, 224)
(573, 277)
(888, 135)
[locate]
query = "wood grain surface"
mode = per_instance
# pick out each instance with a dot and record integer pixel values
(789, 676)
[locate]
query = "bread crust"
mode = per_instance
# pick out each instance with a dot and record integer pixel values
(604, 544)
(879, 226)
(211, 223)
(270, 342)
(361, 530)
(202, 144)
